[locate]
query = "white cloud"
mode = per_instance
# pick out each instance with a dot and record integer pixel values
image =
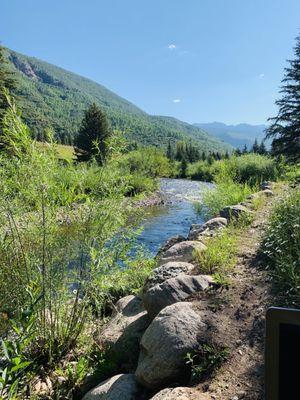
(172, 46)
(176, 100)
(261, 76)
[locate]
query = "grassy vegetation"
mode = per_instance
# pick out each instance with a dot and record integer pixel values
(235, 179)
(63, 152)
(59, 264)
(221, 253)
(281, 248)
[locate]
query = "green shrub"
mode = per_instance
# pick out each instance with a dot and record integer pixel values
(281, 246)
(220, 254)
(147, 161)
(249, 169)
(201, 171)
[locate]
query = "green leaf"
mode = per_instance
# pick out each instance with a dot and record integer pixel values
(22, 365)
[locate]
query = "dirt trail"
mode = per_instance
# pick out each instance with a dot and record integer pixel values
(241, 315)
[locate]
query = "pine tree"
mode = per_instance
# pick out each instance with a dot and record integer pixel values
(285, 127)
(262, 148)
(238, 151)
(170, 152)
(183, 167)
(94, 133)
(226, 155)
(245, 150)
(255, 147)
(7, 82)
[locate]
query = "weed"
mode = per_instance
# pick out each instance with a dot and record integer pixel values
(220, 255)
(206, 360)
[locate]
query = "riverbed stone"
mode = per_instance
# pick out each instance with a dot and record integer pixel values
(169, 270)
(235, 212)
(122, 334)
(182, 393)
(183, 251)
(169, 243)
(119, 387)
(173, 333)
(174, 290)
(209, 228)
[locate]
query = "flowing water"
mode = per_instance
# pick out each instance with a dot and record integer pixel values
(175, 218)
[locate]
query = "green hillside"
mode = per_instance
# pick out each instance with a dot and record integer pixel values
(50, 96)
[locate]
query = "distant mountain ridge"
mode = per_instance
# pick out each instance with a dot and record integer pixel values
(237, 135)
(50, 96)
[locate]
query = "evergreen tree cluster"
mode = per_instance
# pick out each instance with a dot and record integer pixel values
(191, 153)
(258, 148)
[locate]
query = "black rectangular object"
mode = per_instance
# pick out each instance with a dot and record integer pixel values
(282, 354)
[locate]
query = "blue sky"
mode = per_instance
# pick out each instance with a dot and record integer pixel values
(197, 60)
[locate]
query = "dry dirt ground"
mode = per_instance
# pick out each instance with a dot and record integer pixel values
(239, 317)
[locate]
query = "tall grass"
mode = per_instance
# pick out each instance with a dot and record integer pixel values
(235, 179)
(281, 247)
(220, 255)
(59, 262)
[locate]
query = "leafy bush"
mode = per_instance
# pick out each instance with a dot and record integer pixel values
(281, 247)
(147, 161)
(251, 169)
(201, 171)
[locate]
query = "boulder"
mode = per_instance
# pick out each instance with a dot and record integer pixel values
(235, 212)
(170, 336)
(122, 334)
(166, 271)
(174, 290)
(266, 192)
(210, 228)
(266, 185)
(169, 243)
(181, 393)
(119, 387)
(184, 251)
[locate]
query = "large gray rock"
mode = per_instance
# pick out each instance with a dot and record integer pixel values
(180, 393)
(174, 290)
(173, 333)
(169, 243)
(210, 228)
(123, 332)
(261, 193)
(184, 251)
(119, 387)
(235, 212)
(166, 271)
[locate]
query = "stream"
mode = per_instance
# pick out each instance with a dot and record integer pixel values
(175, 218)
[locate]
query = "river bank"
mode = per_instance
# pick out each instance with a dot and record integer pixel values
(177, 293)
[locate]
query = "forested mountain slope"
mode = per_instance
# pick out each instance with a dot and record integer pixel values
(50, 96)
